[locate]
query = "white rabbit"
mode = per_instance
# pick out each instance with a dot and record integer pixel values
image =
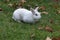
(28, 16)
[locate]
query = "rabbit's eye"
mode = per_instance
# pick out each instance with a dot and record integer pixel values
(36, 14)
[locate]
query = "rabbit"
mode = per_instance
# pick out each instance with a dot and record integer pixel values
(28, 16)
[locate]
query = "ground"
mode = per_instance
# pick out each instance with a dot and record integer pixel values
(11, 30)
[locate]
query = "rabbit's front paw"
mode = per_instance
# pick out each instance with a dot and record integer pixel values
(18, 21)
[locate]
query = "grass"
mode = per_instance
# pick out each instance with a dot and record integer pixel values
(11, 30)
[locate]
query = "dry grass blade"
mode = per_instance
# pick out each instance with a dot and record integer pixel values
(44, 12)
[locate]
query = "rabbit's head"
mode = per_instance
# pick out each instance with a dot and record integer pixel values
(36, 14)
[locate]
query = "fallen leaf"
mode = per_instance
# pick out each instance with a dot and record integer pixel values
(58, 11)
(55, 6)
(51, 20)
(43, 8)
(6, 1)
(57, 38)
(0, 9)
(54, 39)
(23, 1)
(20, 5)
(49, 29)
(44, 12)
(15, 5)
(48, 38)
(10, 5)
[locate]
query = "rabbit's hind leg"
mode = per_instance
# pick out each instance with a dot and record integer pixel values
(17, 20)
(13, 18)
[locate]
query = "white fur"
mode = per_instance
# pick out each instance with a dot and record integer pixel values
(26, 15)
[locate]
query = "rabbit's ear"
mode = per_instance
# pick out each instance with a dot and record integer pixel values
(32, 10)
(36, 8)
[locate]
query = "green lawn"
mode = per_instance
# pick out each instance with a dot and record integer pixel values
(11, 30)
